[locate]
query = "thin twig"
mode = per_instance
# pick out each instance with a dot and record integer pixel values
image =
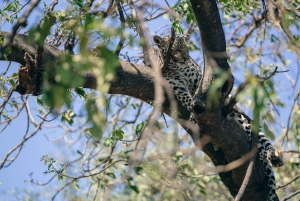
(90, 175)
(291, 195)
(22, 142)
(62, 188)
(284, 185)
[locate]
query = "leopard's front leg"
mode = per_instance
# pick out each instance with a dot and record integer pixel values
(180, 89)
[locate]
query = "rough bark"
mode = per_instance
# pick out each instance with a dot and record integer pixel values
(137, 81)
(214, 53)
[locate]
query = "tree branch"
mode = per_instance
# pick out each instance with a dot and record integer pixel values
(214, 53)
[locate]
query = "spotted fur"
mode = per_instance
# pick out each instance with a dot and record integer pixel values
(183, 73)
(267, 154)
(184, 76)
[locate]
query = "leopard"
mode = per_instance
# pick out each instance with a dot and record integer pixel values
(184, 77)
(183, 73)
(268, 156)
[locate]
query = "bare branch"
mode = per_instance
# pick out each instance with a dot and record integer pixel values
(22, 142)
(291, 195)
(282, 186)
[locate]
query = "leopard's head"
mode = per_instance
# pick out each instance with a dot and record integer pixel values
(180, 48)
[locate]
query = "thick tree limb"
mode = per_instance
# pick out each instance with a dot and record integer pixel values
(214, 53)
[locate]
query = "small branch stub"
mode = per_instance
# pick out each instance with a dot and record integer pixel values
(30, 77)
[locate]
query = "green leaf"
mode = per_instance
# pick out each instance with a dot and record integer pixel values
(135, 188)
(109, 141)
(203, 191)
(101, 159)
(132, 185)
(60, 177)
(56, 96)
(79, 152)
(40, 101)
(118, 134)
(60, 15)
(80, 91)
(138, 170)
(95, 116)
(112, 175)
(177, 27)
(215, 147)
(61, 171)
(188, 19)
(139, 128)
(8, 50)
(79, 3)
(15, 104)
(76, 185)
(186, 166)
(1, 38)
(13, 6)
(5, 116)
(67, 116)
(4, 15)
(177, 156)
(268, 132)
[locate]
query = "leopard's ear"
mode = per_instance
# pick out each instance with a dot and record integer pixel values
(157, 39)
